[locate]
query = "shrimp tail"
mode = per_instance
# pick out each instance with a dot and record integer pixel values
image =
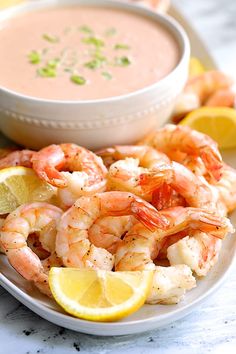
(148, 216)
(216, 226)
(213, 162)
(155, 179)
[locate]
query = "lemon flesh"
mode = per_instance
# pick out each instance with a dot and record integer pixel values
(217, 122)
(19, 185)
(195, 67)
(99, 295)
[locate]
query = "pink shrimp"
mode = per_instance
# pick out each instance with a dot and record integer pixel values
(140, 247)
(198, 250)
(194, 189)
(198, 90)
(88, 171)
(30, 218)
(17, 158)
(72, 243)
(107, 232)
(190, 142)
(222, 98)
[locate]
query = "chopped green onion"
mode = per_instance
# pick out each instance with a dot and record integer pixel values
(122, 61)
(50, 38)
(34, 57)
(121, 46)
(53, 63)
(47, 72)
(110, 32)
(107, 75)
(86, 29)
(94, 63)
(79, 80)
(97, 42)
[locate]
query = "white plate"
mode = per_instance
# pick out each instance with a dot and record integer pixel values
(149, 316)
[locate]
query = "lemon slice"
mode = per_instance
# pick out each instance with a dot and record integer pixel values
(217, 122)
(99, 295)
(19, 185)
(195, 67)
(7, 3)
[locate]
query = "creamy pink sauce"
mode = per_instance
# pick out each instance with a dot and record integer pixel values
(150, 53)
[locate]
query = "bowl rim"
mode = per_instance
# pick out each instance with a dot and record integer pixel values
(165, 20)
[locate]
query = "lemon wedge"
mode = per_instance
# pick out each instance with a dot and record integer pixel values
(19, 185)
(7, 3)
(217, 122)
(195, 67)
(99, 295)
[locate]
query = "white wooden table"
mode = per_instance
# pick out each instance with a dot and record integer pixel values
(209, 329)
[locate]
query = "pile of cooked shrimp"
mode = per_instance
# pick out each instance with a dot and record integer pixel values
(160, 205)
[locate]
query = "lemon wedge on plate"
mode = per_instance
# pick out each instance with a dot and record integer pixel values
(19, 185)
(195, 67)
(7, 3)
(99, 295)
(217, 122)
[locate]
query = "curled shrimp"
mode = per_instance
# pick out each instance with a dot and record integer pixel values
(108, 231)
(198, 89)
(17, 158)
(140, 247)
(129, 163)
(30, 218)
(185, 140)
(88, 171)
(72, 242)
(222, 98)
(198, 250)
(226, 188)
(195, 190)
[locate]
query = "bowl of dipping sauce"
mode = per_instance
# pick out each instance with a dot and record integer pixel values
(96, 73)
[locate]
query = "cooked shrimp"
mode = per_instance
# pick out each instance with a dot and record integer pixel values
(199, 89)
(17, 158)
(107, 232)
(88, 175)
(72, 243)
(194, 189)
(30, 218)
(166, 197)
(170, 284)
(183, 139)
(125, 173)
(140, 247)
(6, 151)
(227, 187)
(147, 156)
(180, 219)
(200, 251)
(222, 98)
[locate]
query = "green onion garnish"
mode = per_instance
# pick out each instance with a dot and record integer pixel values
(47, 72)
(79, 80)
(95, 63)
(107, 75)
(97, 42)
(121, 46)
(50, 38)
(122, 61)
(34, 57)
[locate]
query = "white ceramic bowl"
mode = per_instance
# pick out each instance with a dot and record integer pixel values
(35, 122)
